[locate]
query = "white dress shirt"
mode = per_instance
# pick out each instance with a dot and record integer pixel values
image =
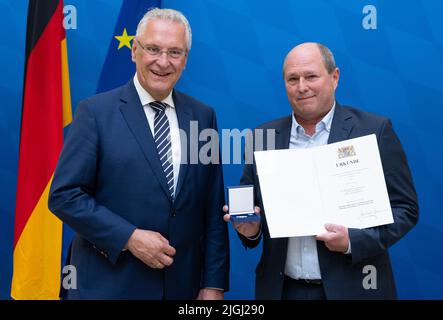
(302, 258)
(145, 99)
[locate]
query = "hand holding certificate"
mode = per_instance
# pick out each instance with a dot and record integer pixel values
(340, 183)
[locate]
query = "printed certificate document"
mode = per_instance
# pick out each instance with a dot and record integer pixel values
(341, 183)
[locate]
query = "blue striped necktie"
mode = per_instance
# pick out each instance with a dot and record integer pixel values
(162, 138)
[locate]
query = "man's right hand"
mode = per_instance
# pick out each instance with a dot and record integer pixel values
(248, 229)
(151, 248)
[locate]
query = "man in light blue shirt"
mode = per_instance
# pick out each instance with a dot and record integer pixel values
(330, 265)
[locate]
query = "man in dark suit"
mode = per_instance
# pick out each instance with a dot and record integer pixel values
(342, 263)
(148, 222)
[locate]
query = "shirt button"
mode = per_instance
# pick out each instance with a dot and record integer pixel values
(305, 249)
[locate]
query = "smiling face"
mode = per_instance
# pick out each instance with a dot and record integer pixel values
(159, 74)
(309, 86)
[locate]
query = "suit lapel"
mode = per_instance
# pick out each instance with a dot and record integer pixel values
(184, 116)
(341, 126)
(135, 117)
(283, 133)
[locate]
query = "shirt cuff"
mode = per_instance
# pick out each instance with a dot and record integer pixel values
(256, 236)
(219, 289)
(349, 251)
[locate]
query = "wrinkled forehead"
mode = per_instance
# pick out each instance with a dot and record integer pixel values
(303, 63)
(166, 30)
(164, 33)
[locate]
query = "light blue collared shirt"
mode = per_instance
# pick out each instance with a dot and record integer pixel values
(301, 258)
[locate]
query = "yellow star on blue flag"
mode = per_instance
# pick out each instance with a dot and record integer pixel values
(124, 40)
(118, 67)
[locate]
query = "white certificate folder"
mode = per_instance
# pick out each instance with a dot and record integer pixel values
(341, 183)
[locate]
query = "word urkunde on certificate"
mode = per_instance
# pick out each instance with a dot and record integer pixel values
(341, 183)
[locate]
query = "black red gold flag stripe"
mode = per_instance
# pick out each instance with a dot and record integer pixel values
(46, 111)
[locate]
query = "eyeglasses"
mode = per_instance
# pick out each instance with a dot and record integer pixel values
(156, 51)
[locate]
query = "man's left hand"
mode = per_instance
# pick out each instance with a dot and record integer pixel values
(336, 237)
(210, 294)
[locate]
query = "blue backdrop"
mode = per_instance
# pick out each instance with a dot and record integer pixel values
(235, 65)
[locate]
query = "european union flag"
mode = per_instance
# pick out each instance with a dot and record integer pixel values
(118, 67)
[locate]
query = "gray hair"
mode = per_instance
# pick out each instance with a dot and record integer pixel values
(166, 14)
(328, 57)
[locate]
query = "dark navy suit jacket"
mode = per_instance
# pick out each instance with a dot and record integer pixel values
(342, 274)
(109, 181)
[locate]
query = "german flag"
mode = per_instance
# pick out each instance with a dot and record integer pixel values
(46, 111)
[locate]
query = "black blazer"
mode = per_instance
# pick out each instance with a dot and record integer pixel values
(343, 275)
